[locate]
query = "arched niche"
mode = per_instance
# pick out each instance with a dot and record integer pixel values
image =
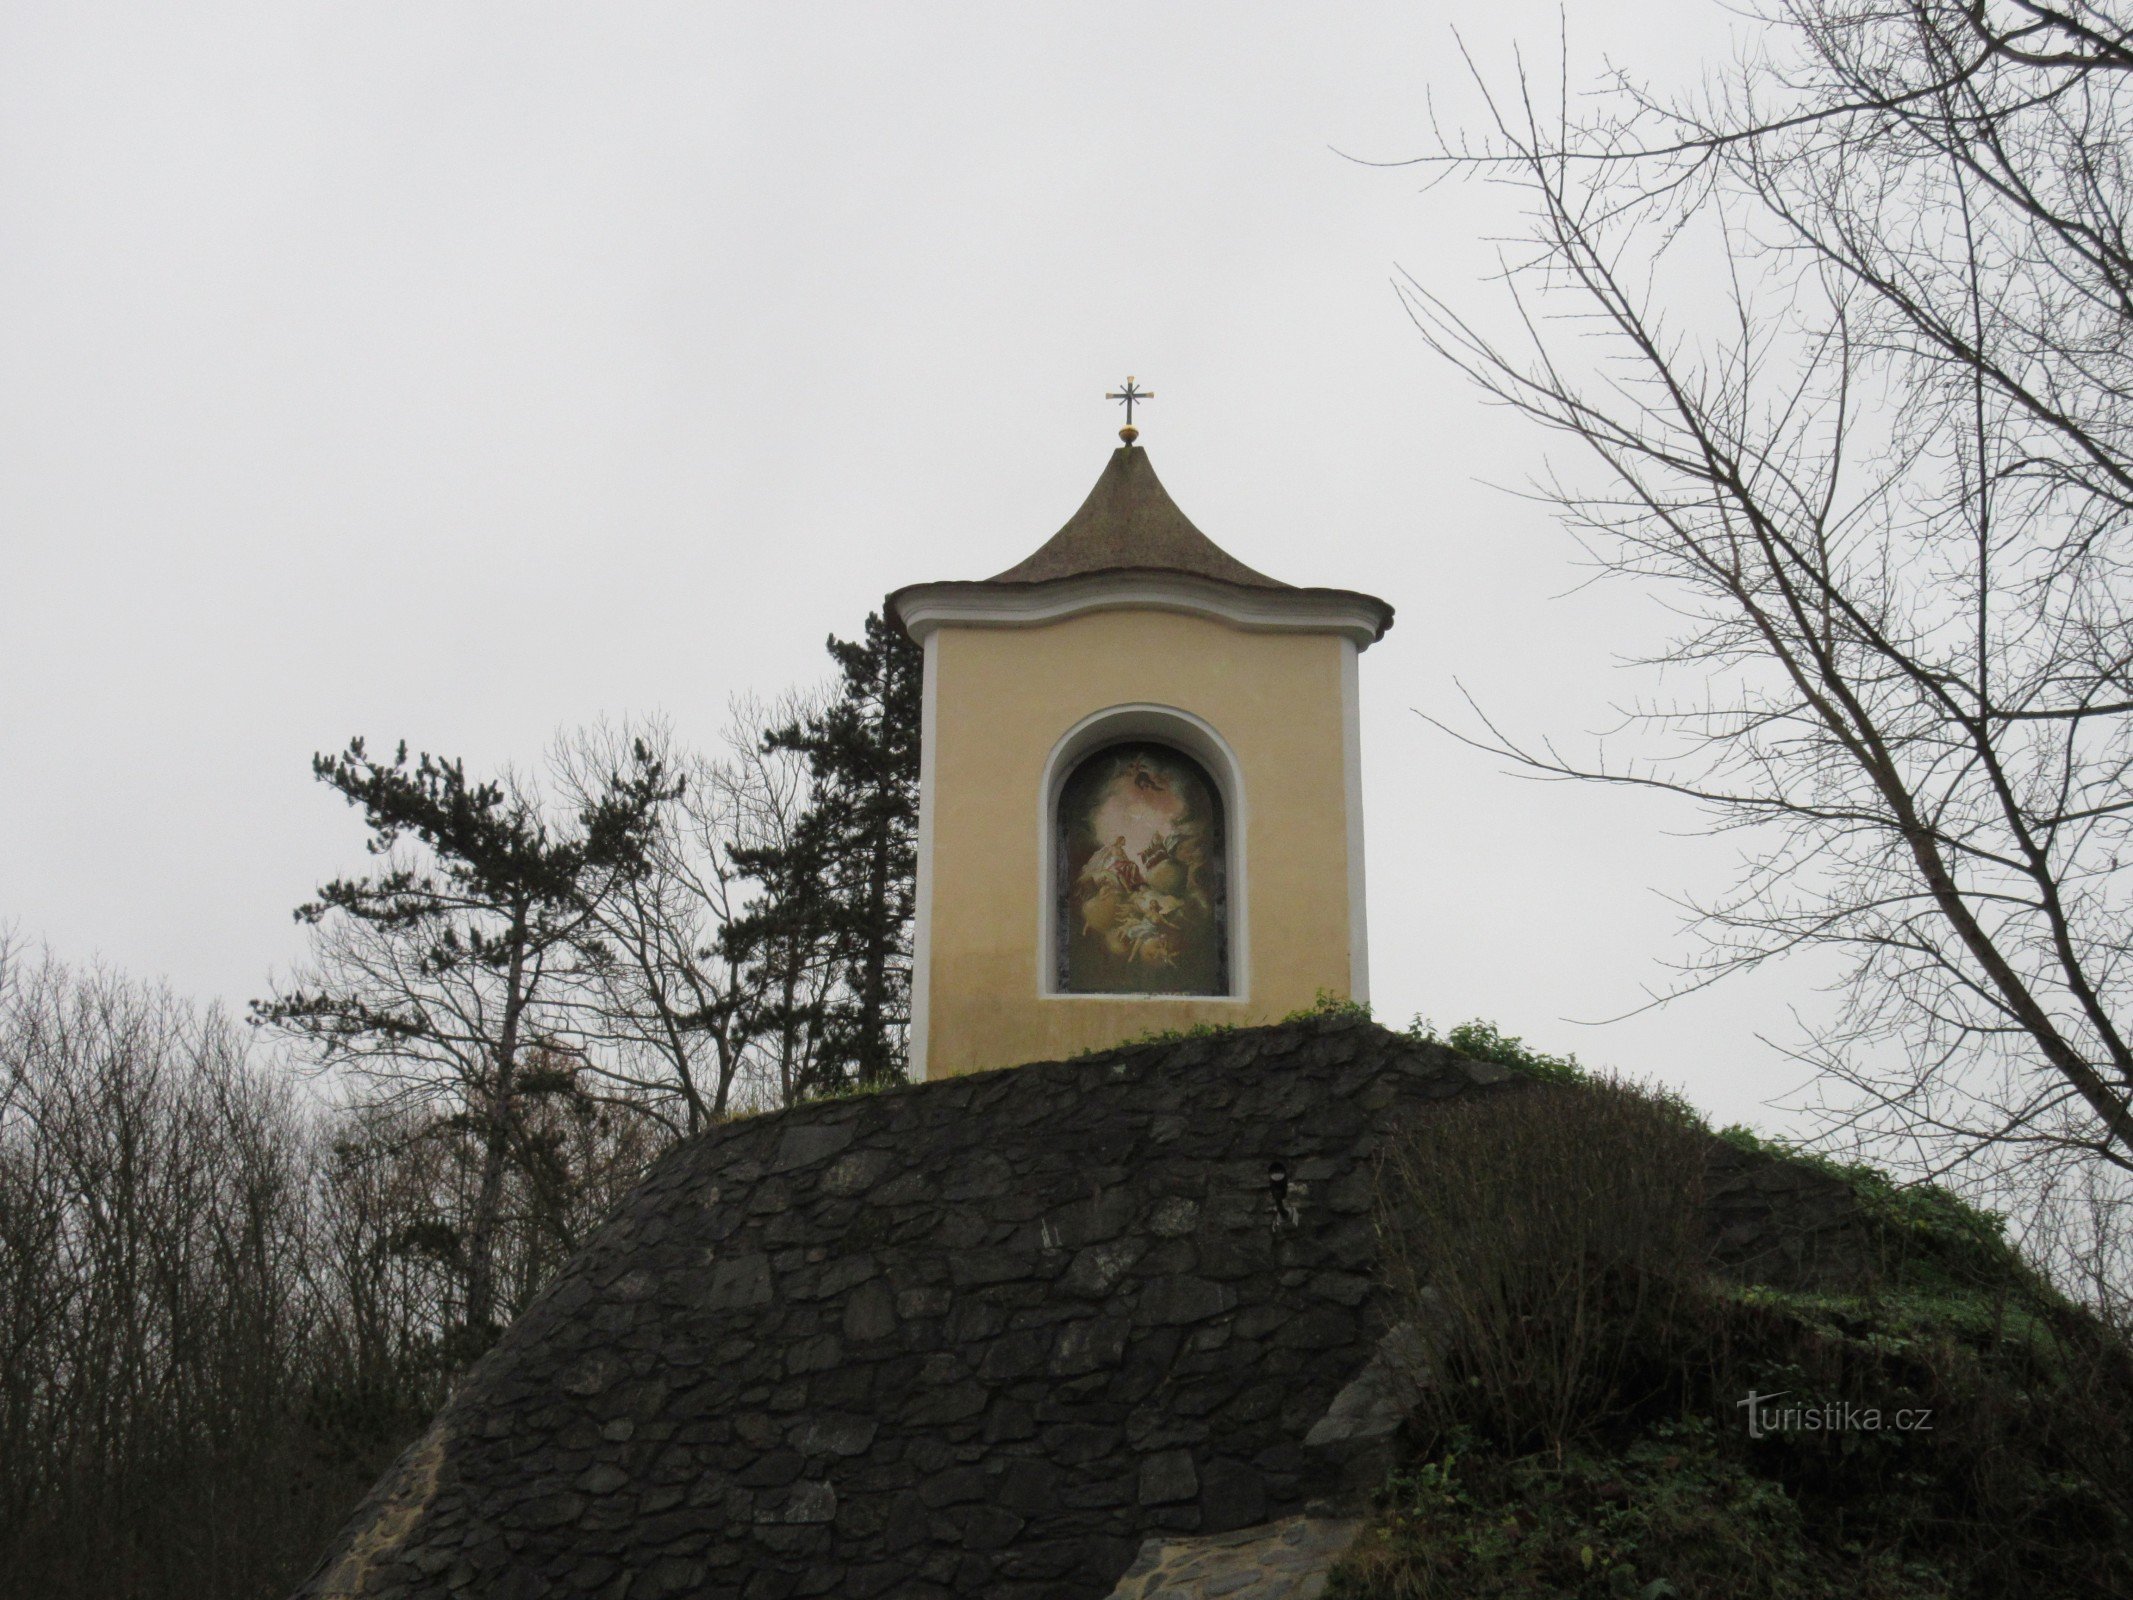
(1143, 882)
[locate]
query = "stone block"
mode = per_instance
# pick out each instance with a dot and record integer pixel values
(1096, 1269)
(869, 1313)
(1167, 1478)
(1088, 1346)
(807, 1144)
(1183, 1300)
(739, 1282)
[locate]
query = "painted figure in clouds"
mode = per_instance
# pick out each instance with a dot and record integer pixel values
(1140, 852)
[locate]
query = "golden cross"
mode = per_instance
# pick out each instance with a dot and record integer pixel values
(1129, 394)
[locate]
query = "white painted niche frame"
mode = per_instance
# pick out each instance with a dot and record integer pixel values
(1192, 736)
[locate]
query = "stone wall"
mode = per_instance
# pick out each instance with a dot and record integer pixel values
(1022, 1334)
(979, 1336)
(1786, 1223)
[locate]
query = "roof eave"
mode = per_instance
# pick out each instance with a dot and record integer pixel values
(918, 609)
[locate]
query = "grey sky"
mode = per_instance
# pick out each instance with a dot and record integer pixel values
(458, 372)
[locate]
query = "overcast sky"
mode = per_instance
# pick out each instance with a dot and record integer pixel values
(458, 372)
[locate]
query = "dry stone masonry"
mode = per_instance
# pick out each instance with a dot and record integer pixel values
(1286, 1560)
(1052, 1333)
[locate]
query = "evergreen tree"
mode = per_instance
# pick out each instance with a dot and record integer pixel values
(436, 973)
(844, 889)
(783, 942)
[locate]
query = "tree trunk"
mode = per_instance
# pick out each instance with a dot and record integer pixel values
(496, 1144)
(787, 1032)
(873, 985)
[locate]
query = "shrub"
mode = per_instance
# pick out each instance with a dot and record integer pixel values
(1585, 1433)
(1329, 1004)
(1474, 1524)
(1549, 1238)
(1484, 1041)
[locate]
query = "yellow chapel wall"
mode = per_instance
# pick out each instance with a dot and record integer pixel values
(1000, 701)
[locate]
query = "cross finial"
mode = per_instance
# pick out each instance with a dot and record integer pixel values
(1129, 394)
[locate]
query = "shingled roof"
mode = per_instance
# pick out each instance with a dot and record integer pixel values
(1130, 523)
(1128, 527)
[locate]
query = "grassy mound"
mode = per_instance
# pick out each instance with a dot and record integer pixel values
(1614, 1417)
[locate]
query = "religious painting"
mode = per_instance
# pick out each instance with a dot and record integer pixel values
(1142, 905)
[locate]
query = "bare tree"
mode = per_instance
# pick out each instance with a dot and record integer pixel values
(390, 1296)
(1849, 338)
(764, 792)
(152, 1339)
(224, 1304)
(680, 1017)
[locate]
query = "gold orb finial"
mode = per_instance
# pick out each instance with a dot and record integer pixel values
(1129, 433)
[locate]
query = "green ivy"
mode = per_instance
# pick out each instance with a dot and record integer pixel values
(1327, 1004)
(1199, 1030)
(1484, 1041)
(1950, 1241)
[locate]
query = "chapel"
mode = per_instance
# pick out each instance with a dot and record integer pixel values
(1111, 1326)
(1140, 789)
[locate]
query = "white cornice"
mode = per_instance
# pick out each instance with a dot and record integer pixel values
(926, 607)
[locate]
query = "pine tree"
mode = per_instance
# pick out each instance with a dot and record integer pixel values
(785, 944)
(845, 888)
(434, 972)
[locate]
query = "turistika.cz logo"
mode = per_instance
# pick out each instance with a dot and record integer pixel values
(1766, 1417)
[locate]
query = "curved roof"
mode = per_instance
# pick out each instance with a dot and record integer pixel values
(1130, 523)
(1129, 527)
